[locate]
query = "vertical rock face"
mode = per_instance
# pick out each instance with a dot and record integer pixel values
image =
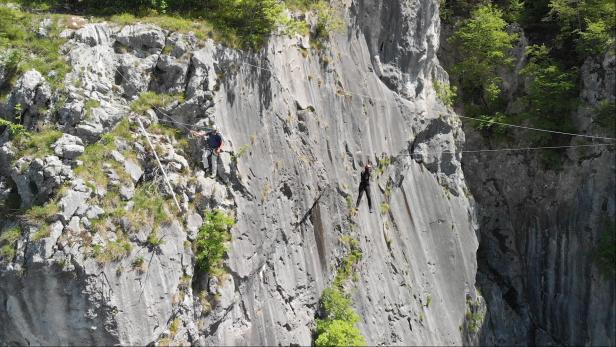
(540, 232)
(306, 125)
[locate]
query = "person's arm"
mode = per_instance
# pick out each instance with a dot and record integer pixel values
(219, 149)
(197, 133)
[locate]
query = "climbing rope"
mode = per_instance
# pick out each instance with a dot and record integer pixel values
(160, 165)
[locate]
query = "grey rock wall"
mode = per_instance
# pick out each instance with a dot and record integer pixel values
(307, 124)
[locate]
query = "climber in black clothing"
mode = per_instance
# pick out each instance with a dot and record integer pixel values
(364, 186)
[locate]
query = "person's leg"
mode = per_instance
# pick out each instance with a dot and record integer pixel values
(367, 189)
(214, 158)
(206, 155)
(359, 195)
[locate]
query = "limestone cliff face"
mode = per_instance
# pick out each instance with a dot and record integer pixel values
(304, 125)
(540, 230)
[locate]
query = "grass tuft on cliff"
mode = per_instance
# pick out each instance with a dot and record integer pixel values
(7, 243)
(149, 100)
(24, 49)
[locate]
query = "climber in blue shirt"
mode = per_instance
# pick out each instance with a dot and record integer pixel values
(213, 147)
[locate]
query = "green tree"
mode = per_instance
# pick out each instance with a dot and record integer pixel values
(482, 43)
(250, 19)
(590, 24)
(552, 91)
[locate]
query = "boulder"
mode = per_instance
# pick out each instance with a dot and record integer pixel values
(49, 243)
(193, 223)
(71, 113)
(73, 199)
(171, 75)
(203, 74)
(135, 73)
(181, 43)
(127, 191)
(94, 212)
(30, 95)
(89, 131)
(133, 169)
(95, 34)
(224, 166)
(142, 37)
(117, 156)
(68, 147)
(37, 179)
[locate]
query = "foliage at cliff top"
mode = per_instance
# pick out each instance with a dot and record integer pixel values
(238, 22)
(483, 44)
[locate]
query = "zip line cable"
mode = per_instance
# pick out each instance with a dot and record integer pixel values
(538, 129)
(513, 149)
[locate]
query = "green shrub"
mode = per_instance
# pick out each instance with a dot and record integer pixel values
(138, 262)
(488, 124)
(89, 105)
(91, 169)
(590, 24)
(328, 19)
(7, 253)
(15, 130)
(338, 333)
(209, 246)
(150, 209)
(382, 164)
(241, 151)
(446, 93)
(337, 306)
(337, 326)
(552, 92)
(236, 22)
(345, 270)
